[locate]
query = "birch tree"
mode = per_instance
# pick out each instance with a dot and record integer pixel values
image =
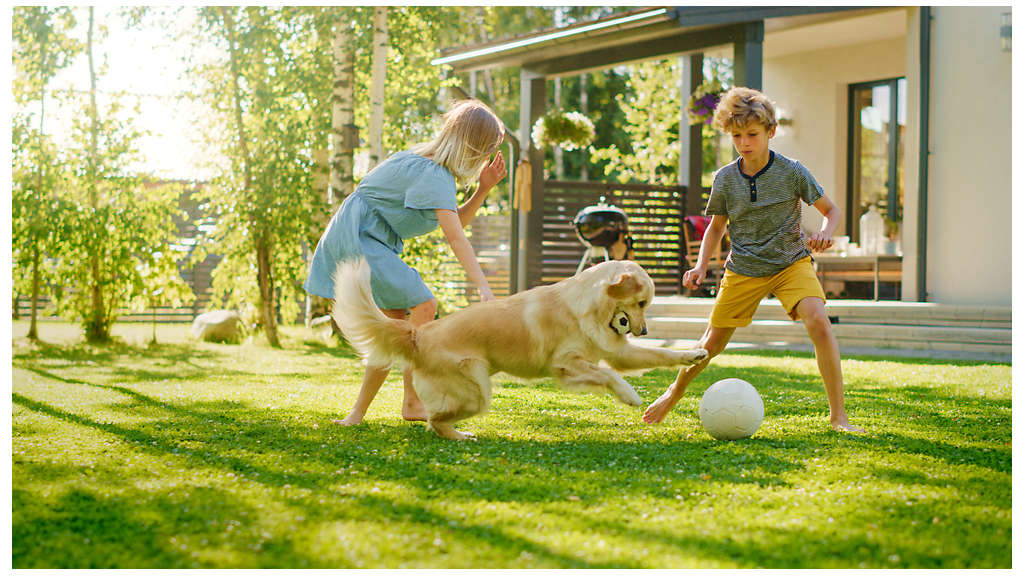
(378, 84)
(344, 137)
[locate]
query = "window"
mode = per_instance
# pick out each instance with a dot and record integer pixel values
(874, 175)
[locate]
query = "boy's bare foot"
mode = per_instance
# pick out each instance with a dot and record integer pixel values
(660, 408)
(845, 426)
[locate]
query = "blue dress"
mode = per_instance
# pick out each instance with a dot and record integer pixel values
(395, 201)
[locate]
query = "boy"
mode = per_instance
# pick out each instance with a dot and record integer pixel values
(757, 198)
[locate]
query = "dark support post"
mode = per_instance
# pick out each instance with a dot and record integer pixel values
(694, 198)
(533, 102)
(748, 56)
(925, 150)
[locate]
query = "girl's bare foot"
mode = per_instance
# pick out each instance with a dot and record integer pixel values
(845, 426)
(414, 413)
(350, 420)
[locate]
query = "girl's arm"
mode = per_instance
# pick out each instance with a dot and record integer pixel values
(452, 227)
(491, 175)
(822, 240)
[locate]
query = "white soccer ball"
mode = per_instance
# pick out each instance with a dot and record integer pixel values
(731, 409)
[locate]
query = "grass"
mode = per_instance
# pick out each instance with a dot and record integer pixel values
(195, 455)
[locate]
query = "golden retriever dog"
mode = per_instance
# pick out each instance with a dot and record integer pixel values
(563, 330)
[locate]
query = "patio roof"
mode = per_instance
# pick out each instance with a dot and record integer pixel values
(623, 37)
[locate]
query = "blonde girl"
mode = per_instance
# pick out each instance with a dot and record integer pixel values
(408, 195)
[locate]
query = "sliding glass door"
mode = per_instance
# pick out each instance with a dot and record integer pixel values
(877, 122)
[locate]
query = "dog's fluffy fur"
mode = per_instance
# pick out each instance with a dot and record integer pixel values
(563, 330)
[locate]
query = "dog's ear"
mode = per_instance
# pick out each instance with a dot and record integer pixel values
(623, 286)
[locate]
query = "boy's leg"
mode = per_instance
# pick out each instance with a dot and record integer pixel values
(714, 341)
(811, 311)
(373, 379)
(412, 407)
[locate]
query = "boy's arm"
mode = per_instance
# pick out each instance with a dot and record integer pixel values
(822, 240)
(712, 241)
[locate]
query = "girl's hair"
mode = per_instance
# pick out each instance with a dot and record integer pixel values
(741, 106)
(470, 134)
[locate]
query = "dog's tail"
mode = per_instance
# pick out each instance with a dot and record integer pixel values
(377, 338)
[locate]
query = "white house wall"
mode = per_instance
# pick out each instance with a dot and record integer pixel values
(812, 89)
(969, 224)
(969, 237)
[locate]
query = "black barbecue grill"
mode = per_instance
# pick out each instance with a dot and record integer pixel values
(599, 227)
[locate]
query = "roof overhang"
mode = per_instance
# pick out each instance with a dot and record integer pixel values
(620, 38)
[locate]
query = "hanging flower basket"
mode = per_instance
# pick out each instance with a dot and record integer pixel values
(568, 130)
(700, 109)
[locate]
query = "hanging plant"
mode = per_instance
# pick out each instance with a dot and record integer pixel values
(568, 130)
(700, 109)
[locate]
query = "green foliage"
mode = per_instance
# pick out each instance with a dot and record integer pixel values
(117, 226)
(651, 124)
(196, 455)
(42, 45)
(37, 208)
(266, 194)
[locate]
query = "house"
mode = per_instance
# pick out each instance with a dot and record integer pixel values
(905, 107)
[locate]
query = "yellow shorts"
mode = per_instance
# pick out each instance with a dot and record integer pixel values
(740, 295)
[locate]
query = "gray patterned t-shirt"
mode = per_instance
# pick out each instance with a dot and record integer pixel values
(764, 213)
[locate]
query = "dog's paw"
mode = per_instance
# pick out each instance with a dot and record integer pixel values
(694, 356)
(627, 395)
(445, 430)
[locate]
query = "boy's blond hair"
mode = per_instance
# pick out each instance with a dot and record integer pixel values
(471, 132)
(740, 106)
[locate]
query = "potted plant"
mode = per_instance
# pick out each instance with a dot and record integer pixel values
(568, 130)
(700, 108)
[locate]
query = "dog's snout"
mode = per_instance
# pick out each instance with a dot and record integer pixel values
(643, 331)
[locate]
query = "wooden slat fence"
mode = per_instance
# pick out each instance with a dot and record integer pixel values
(655, 218)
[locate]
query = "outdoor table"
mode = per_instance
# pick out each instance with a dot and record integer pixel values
(859, 268)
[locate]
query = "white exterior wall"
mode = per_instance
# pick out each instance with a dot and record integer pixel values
(969, 220)
(969, 226)
(812, 89)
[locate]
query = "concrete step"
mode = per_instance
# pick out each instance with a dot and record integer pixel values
(856, 312)
(898, 328)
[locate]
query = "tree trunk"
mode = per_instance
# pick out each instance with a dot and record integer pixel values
(264, 274)
(344, 136)
(97, 328)
(265, 278)
(33, 333)
(378, 79)
(556, 149)
(585, 110)
(316, 306)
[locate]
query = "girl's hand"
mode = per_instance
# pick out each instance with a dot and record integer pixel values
(485, 294)
(492, 173)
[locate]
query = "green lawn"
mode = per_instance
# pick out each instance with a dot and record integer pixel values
(182, 455)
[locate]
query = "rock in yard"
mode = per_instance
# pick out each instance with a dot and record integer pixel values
(216, 326)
